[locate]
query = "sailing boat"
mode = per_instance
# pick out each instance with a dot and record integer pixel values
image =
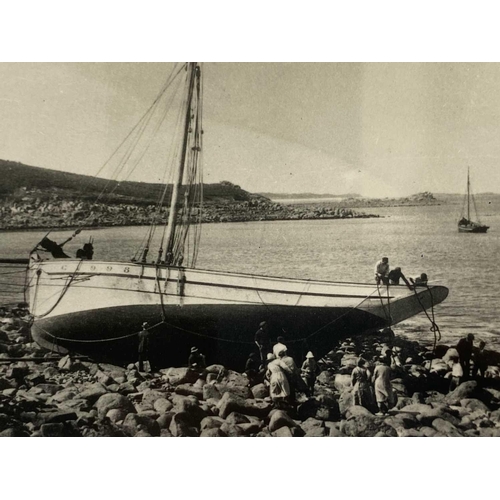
(466, 224)
(98, 307)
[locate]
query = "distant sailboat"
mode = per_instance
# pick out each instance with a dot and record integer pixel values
(466, 224)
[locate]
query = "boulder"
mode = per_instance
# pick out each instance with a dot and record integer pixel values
(162, 405)
(132, 423)
(365, 426)
(231, 430)
(50, 388)
(64, 395)
(473, 405)
(346, 400)
(342, 382)
(211, 392)
(149, 396)
(218, 370)
(53, 430)
(212, 432)
(116, 414)
(104, 378)
(282, 432)
(312, 423)
(260, 391)
(356, 411)
(211, 423)
(229, 403)
(279, 418)
(177, 376)
(237, 418)
(164, 420)
(242, 391)
(180, 426)
(189, 390)
(112, 401)
(317, 432)
(189, 406)
(55, 416)
(446, 428)
(93, 392)
(252, 428)
(126, 388)
(467, 390)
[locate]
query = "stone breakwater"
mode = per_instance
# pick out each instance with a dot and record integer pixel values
(61, 213)
(40, 396)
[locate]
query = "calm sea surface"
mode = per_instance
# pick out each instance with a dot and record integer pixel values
(418, 239)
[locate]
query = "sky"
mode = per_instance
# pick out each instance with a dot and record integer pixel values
(377, 129)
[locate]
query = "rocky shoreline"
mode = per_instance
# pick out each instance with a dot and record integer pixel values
(44, 396)
(62, 213)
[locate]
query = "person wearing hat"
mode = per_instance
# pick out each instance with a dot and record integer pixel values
(309, 372)
(143, 347)
(263, 341)
(196, 361)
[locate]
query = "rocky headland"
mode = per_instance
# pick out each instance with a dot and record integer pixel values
(45, 396)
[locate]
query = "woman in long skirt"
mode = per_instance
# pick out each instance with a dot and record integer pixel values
(279, 388)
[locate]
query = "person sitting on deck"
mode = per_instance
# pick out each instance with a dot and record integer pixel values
(395, 275)
(86, 253)
(381, 271)
(420, 280)
(54, 248)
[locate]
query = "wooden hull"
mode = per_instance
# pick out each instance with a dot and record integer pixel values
(97, 308)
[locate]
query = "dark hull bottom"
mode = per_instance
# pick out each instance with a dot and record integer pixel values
(480, 229)
(224, 334)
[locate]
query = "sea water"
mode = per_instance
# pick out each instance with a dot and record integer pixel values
(417, 239)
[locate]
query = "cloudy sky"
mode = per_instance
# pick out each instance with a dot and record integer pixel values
(378, 129)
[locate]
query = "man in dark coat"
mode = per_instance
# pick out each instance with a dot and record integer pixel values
(263, 341)
(464, 347)
(143, 348)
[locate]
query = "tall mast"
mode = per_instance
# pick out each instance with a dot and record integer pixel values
(172, 217)
(468, 195)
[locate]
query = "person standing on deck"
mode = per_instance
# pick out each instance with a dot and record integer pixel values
(465, 347)
(381, 271)
(143, 348)
(263, 341)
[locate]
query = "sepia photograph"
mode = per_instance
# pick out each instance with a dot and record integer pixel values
(249, 249)
(295, 237)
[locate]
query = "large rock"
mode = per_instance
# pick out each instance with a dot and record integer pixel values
(326, 378)
(446, 428)
(365, 426)
(180, 426)
(260, 391)
(189, 390)
(113, 401)
(237, 418)
(177, 376)
(356, 411)
(312, 423)
(346, 400)
(242, 391)
(50, 388)
(279, 418)
(473, 404)
(211, 392)
(232, 430)
(149, 396)
(467, 390)
(211, 423)
(132, 424)
(116, 414)
(212, 432)
(162, 405)
(93, 392)
(229, 403)
(53, 430)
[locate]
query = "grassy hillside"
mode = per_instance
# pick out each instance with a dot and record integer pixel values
(18, 178)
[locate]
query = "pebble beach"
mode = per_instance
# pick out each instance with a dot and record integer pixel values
(45, 396)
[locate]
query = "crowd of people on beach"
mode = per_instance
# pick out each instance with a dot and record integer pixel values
(370, 379)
